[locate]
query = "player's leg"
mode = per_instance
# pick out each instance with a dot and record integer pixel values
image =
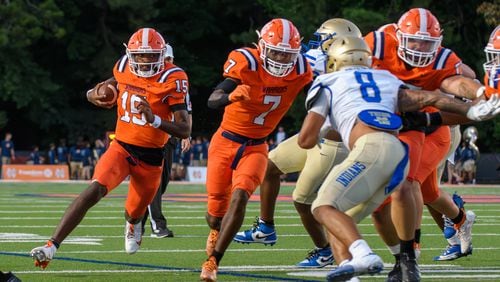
(462, 220)
(218, 185)
(319, 162)
(110, 171)
(452, 250)
(362, 192)
(144, 183)
(436, 148)
(247, 176)
(287, 157)
(402, 215)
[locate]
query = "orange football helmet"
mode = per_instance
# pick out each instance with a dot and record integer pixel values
(492, 81)
(492, 51)
(279, 46)
(146, 51)
(419, 36)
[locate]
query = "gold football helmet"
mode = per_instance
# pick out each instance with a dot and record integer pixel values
(348, 51)
(332, 29)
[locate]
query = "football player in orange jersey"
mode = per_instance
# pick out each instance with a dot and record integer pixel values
(313, 164)
(492, 65)
(413, 52)
(259, 87)
(151, 95)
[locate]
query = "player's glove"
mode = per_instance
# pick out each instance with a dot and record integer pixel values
(241, 93)
(485, 110)
(413, 120)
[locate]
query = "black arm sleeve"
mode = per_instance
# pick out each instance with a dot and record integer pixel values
(228, 85)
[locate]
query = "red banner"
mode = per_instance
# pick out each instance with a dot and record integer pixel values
(35, 172)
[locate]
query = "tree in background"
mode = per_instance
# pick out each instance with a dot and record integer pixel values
(52, 51)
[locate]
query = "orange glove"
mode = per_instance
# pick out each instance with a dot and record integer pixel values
(241, 93)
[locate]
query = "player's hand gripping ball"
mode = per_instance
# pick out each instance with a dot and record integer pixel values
(108, 92)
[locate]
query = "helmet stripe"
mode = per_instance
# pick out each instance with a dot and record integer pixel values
(145, 37)
(286, 31)
(423, 20)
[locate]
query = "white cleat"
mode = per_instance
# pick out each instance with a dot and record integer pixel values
(465, 231)
(133, 237)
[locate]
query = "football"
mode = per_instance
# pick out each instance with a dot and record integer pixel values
(109, 91)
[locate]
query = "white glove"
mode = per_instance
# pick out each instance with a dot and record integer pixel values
(485, 110)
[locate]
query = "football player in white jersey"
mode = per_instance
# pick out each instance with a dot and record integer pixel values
(313, 164)
(361, 104)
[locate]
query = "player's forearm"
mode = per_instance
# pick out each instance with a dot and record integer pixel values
(452, 119)
(460, 86)
(414, 100)
(177, 129)
(218, 99)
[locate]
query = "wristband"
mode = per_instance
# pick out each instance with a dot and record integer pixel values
(480, 91)
(157, 122)
(434, 119)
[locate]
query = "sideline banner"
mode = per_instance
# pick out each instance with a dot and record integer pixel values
(35, 172)
(197, 174)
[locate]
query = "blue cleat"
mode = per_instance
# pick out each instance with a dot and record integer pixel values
(318, 258)
(260, 233)
(369, 264)
(452, 252)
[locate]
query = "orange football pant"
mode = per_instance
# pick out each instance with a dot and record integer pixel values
(113, 167)
(415, 141)
(436, 146)
(222, 180)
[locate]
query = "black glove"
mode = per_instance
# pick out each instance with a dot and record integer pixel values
(414, 121)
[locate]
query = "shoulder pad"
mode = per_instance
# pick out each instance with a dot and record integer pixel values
(166, 73)
(122, 63)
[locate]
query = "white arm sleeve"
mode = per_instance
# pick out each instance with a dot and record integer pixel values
(321, 103)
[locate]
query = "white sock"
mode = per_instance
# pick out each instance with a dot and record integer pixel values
(343, 262)
(359, 248)
(395, 250)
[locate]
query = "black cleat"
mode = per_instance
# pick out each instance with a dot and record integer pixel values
(395, 274)
(162, 233)
(409, 269)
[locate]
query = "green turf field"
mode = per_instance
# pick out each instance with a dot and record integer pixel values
(95, 250)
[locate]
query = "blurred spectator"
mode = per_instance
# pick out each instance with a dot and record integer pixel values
(7, 149)
(271, 144)
(204, 153)
(196, 151)
(467, 159)
(76, 159)
(99, 149)
(186, 157)
(52, 154)
(177, 167)
(87, 161)
(62, 152)
(280, 135)
(34, 156)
